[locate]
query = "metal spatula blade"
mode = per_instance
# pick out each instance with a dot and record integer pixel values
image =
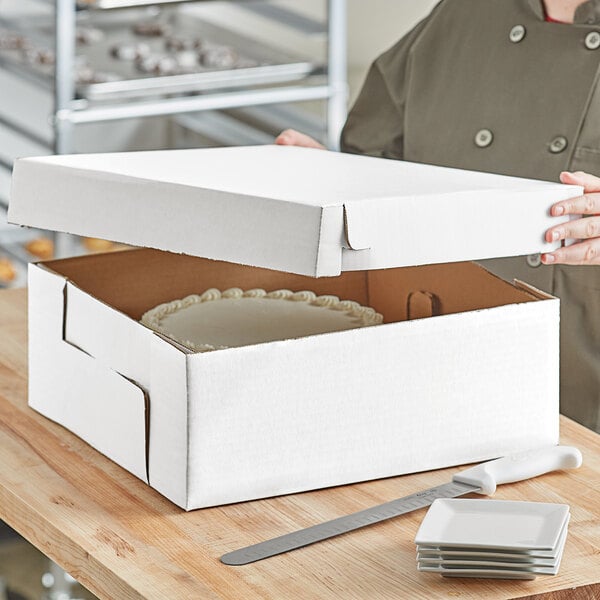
(482, 479)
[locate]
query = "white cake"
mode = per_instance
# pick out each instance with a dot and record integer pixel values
(216, 320)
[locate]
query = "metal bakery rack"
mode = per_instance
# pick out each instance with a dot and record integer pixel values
(78, 65)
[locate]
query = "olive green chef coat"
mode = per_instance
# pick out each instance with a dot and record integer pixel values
(489, 85)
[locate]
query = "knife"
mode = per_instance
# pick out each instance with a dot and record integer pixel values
(481, 479)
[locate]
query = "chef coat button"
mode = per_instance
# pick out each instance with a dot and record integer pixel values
(592, 40)
(558, 144)
(517, 33)
(534, 260)
(483, 138)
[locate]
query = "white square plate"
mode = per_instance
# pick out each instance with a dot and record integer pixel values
(486, 573)
(480, 561)
(489, 574)
(493, 524)
(533, 557)
(482, 565)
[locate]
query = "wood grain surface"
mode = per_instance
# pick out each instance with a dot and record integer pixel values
(122, 540)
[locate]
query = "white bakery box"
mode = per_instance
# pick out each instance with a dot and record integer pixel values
(464, 368)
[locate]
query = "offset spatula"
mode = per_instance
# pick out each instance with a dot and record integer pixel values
(481, 479)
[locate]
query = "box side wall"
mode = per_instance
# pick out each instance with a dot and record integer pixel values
(72, 388)
(265, 205)
(332, 238)
(200, 222)
(169, 426)
(112, 338)
(374, 402)
(451, 288)
(424, 229)
(118, 343)
(135, 281)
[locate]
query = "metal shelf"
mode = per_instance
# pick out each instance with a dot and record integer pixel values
(128, 95)
(273, 11)
(250, 125)
(5, 175)
(112, 4)
(223, 128)
(118, 4)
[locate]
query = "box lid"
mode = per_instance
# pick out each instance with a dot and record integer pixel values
(299, 210)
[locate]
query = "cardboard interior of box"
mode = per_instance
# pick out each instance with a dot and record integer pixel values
(135, 281)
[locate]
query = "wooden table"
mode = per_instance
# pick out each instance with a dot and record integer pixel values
(123, 540)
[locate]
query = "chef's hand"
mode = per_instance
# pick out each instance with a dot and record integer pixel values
(291, 137)
(587, 250)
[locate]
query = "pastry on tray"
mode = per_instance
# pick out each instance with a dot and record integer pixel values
(8, 272)
(41, 247)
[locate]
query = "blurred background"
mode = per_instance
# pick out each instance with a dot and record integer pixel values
(121, 75)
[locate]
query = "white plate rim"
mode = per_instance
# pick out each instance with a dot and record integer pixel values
(480, 561)
(488, 553)
(435, 515)
(522, 577)
(474, 572)
(489, 565)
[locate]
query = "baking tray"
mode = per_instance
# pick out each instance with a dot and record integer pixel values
(257, 64)
(109, 4)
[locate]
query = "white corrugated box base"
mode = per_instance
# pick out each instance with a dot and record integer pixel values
(275, 418)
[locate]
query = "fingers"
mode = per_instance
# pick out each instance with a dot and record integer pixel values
(287, 137)
(588, 204)
(586, 251)
(581, 253)
(291, 137)
(590, 183)
(580, 229)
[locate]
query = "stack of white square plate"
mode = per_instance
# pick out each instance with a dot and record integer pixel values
(496, 539)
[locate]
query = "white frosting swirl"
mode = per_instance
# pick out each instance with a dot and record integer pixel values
(364, 315)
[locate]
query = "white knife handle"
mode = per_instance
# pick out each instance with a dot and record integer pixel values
(517, 467)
